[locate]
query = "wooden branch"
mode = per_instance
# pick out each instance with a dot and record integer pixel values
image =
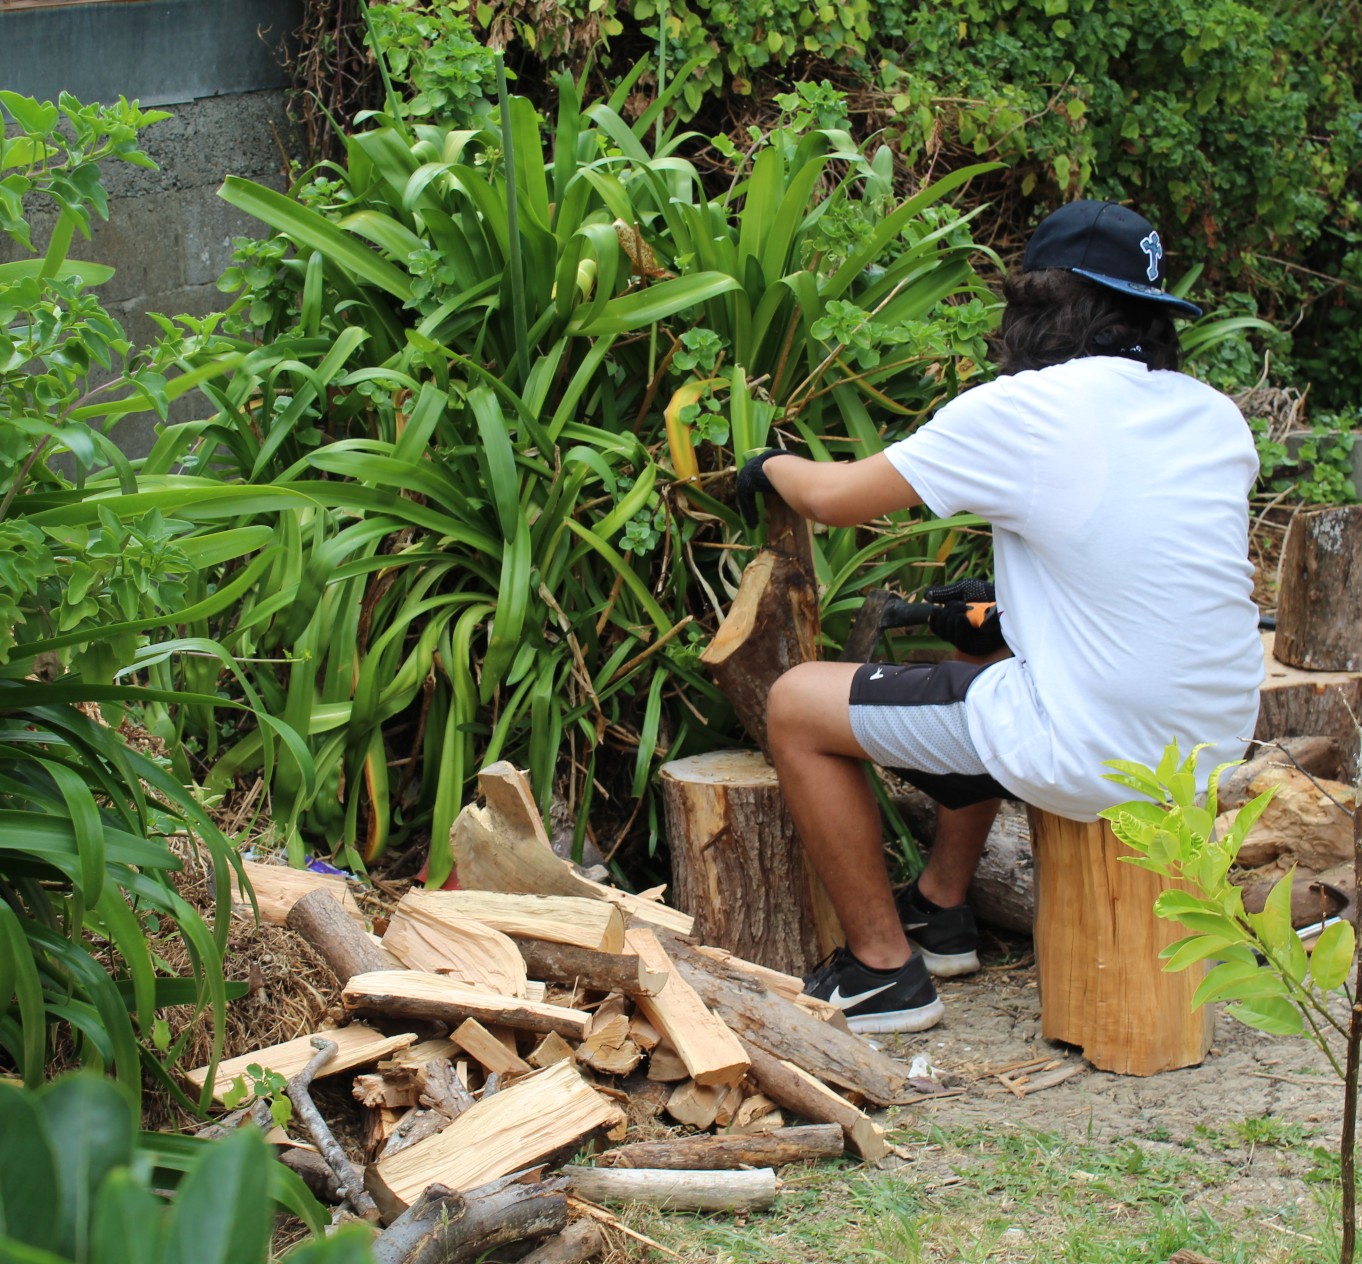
(767, 1149)
(350, 1184)
(710, 1051)
(809, 1098)
(760, 1017)
(316, 1173)
(412, 994)
(341, 941)
(751, 1190)
(535, 1117)
(598, 971)
(580, 1241)
(356, 1045)
(445, 1227)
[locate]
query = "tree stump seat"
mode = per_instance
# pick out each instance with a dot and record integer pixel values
(1102, 983)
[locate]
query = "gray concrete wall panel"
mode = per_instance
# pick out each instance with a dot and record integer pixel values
(157, 51)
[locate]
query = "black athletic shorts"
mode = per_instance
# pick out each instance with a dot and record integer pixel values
(911, 719)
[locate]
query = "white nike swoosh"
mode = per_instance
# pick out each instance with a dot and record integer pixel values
(879, 674)
(916, 925)
(846, 1002)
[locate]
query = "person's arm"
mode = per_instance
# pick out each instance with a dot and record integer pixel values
(840, 493)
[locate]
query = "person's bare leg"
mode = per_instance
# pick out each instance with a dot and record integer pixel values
(823, 780)
(960, 837)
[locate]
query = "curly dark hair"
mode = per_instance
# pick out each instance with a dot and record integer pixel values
(1053, 315)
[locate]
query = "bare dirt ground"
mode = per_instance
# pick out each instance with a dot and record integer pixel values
(1252, 1085)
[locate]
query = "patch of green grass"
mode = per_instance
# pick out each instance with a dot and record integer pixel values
(971, 1195)
(1254, 1131)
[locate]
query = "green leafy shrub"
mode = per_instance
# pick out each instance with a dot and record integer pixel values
(1261, 967)
(514, 365)
(80, 1185)
(99, 566)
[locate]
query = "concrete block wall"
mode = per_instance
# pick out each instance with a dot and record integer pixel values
(169, 236)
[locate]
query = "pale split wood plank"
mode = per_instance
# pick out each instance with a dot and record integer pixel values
(535, 1117)
(560, 919)
(356, 1045)
(416, 995)
(278, 888)
(711, 1052)
(423, 935)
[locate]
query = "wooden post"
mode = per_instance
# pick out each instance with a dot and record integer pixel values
(1319, 605)
(1102, 985)
(737, 865)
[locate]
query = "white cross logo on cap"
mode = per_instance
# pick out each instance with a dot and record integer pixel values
(1153, 247)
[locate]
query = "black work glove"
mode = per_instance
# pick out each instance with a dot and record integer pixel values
(968, 617)
(751, 480)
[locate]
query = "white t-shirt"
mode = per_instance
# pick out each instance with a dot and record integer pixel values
(1119, 503)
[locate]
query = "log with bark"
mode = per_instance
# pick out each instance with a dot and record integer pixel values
(586, 968)
(1102, 982)
(580, 1241)
(411, 994)
(760, 1017)
(752, 1190)
(809, 1098)
(444, 1226)
(767, 1149)
(341, 941)
(1293, 702)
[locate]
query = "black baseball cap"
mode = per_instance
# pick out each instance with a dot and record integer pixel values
(1109, 244)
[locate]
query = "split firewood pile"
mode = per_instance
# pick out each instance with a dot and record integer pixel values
(496, 1031)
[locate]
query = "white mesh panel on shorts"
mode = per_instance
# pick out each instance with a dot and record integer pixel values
(932, 739)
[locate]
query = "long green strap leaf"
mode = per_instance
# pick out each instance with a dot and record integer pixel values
(307, 228)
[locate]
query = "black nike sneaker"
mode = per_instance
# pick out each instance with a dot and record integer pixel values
(947, 938)
(877, 1000)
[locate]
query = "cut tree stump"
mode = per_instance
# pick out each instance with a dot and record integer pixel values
(1102, 985)
(738, 866)
(1296, 703)
(1319, 604)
